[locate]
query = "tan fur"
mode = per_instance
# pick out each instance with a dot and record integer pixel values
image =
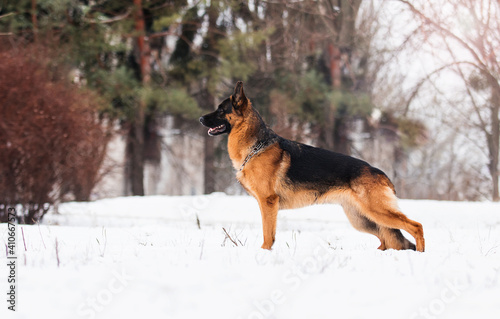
(375, 199)
(260, 181)
(369, 203)
(241, 139)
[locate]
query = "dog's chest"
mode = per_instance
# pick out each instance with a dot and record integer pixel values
(240, 176)
(247, 182)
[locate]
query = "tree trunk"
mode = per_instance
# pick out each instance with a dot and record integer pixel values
(340, 137)
(334, 57)
(328, 130)
(34, 21)
(347, 21)
(208, 102)
(136, 130)
(142, 43)
(335, 129)
(274, 18)
(209, 172)
(494, 144)
(135, 152)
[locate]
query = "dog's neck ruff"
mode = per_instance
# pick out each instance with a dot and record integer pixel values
(258, 148)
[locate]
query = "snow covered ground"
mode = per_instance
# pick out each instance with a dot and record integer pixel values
(148, 258)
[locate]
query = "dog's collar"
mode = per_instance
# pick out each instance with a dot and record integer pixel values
(259, 147)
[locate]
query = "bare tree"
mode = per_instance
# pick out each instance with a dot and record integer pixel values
(469, 32)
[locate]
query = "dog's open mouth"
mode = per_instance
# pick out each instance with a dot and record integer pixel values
(216, 130)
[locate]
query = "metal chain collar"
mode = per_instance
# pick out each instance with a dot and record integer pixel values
(257, 149)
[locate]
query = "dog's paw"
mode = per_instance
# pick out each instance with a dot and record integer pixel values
(266, 246)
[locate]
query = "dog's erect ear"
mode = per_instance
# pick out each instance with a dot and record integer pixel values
(239, 98)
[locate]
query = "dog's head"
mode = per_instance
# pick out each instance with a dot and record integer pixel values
(228, 114)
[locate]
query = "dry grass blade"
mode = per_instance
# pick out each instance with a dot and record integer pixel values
(229, 237)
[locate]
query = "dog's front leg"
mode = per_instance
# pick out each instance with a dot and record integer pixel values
(269, 210)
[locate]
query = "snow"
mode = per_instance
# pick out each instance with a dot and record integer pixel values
(146, 257)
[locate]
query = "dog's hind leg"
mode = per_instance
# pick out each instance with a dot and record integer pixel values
(394, 220)
(379, 205)
(389, 238)
(394, 239)
(363, 224)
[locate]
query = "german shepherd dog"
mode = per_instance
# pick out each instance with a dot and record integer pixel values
(283, 174)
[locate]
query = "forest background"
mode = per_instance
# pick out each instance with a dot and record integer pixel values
(412, 87)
